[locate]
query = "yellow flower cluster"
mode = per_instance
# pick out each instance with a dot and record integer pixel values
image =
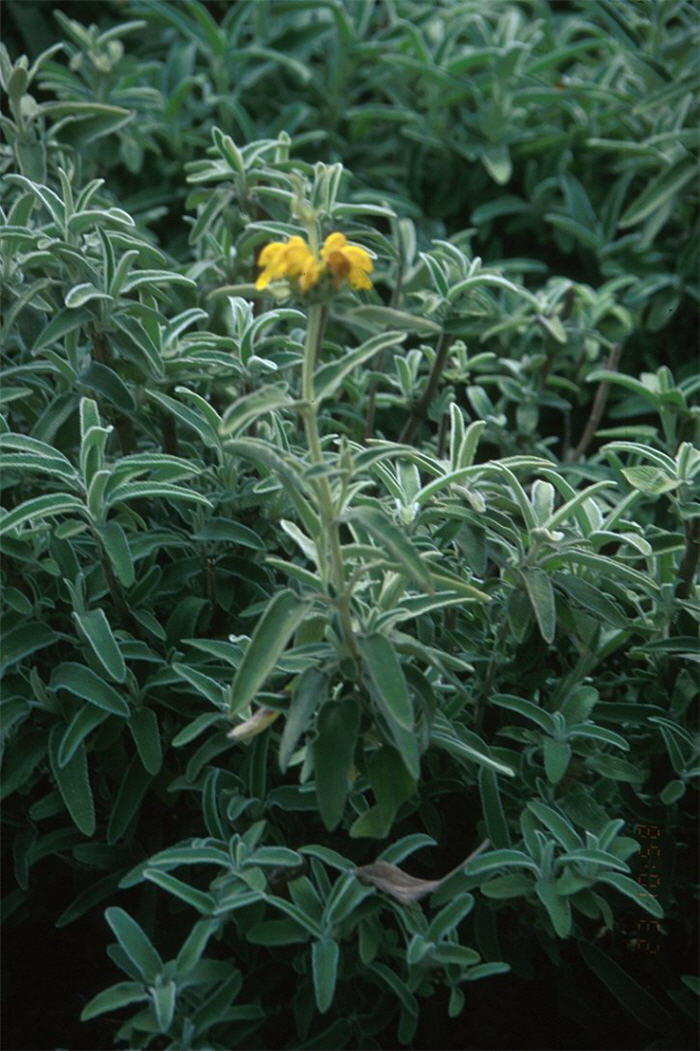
(295, 260)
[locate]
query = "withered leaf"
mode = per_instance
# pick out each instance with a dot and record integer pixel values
(396, 882)
(258, 722)
(402, 886)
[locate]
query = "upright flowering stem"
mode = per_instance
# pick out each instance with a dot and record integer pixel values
(327, 267)
(314, 333)
(330, 538)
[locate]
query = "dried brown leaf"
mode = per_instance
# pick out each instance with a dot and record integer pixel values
(396, 882)
(402, 886)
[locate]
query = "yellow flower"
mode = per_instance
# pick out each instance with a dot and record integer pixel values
(302, 264)
(346, 262)
(293, 259)
(272, 260)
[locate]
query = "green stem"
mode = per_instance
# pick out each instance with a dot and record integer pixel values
(420, 411)
(330, 538)
(599, 403)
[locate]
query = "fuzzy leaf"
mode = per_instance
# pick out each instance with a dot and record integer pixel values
(273, 631)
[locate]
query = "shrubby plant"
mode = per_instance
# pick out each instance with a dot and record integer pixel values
(327, 540)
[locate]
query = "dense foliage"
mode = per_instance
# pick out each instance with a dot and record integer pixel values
(303, 578)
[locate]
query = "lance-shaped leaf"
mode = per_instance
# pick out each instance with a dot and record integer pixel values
(344, 898)
(273, 631)
(557, 905)
(541, 594)
(556, 759)
(194, 945)
(391, 785)
(394, 542)
(498, 859)
(163, 997)
(658, 192)
(560, 828)
(327, 856)
(38, 453)
(593, 856)
(450, 917)
(40, 507)
(83, 722)
(464, 744)
(26, 638)
(135, 943)
(387, 681)
(131, 791)
(144, 490)
(333, 750)
(143, 725)
(252, 405)
(120, 995)
(398, 987)
(514, 885)
(330, 376)
(97, 632)
(370, 316)
(496, 824)
(190, 417)
(591, 598)
(73, 782)
(633, 890)
(310, 692)
(324, 965)
(300, 916)
(406, 744)
(401, 849)
(262, 453)
(559, 516)
(83, 682)
(527, 708)
(490, 279)
(198, 899)
(255, 329)
(117, 547)
(634, 998)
